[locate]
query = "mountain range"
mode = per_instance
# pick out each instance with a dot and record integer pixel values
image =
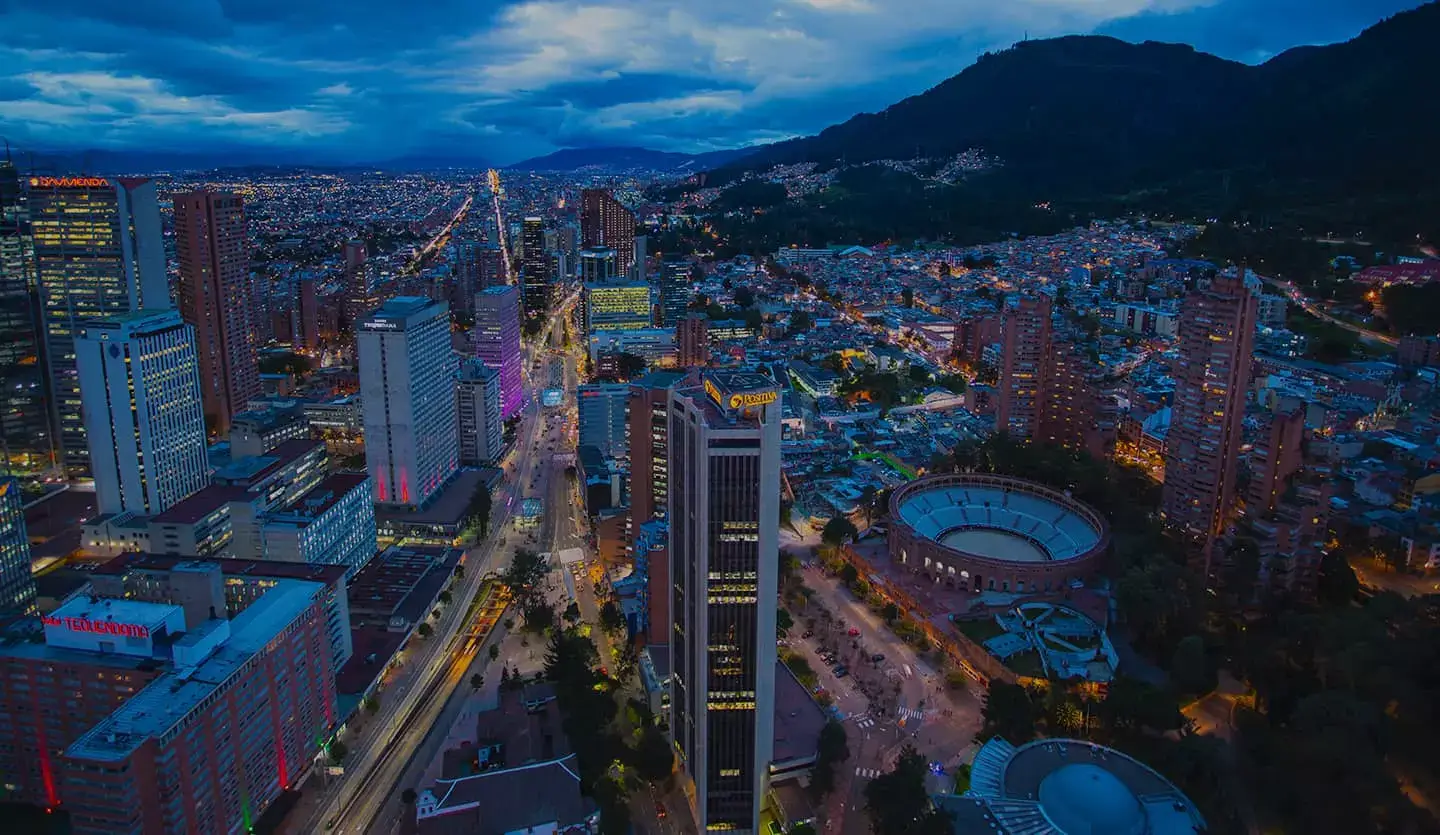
(1340, 135)
(619, 158)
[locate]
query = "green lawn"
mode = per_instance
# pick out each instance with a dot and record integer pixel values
(980, 630)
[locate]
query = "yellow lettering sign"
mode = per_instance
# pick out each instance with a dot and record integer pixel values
(749, 399)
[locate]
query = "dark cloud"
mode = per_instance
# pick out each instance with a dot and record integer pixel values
(370, 80)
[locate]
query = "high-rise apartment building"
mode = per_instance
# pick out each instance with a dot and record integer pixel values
(604, 221)
(693, 338)
(1276, 457)
(17, 584)
(497, 343)
(98, 251)
(1202, 447)
(407, 391)
(535, 268)
(1045, 393)
(674, 293)
(215, 300)
(724, 480)
(307, 320)
(477, 405)
(144, 420)
(27, 439)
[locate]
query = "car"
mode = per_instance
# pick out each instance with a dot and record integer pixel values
(605, 672)
(809, 633)
(660, 810)
(878, 657)
(854, 632)
(842, 671)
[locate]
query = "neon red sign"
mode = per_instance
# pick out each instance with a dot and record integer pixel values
(68, 182)
(98, 627)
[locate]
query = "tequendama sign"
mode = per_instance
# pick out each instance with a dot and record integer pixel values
(98, 627)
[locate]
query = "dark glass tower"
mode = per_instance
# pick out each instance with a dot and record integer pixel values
(724, 468)
(535, 269)
(26, 437)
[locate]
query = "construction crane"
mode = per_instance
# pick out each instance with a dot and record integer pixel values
(497, 193)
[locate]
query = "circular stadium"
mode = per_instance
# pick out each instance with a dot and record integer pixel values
(995, 533)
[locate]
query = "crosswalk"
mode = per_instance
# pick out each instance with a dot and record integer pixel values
(864, 722)
(867, 773)
(912, 714)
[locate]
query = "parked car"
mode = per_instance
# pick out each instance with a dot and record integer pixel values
(841, 671)
(809, 633)
(660, 811)
(878, 657)
(854, 632)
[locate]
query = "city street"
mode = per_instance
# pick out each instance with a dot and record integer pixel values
(412, 705)
(887, 703)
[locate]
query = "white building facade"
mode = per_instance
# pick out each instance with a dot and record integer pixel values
(477, 408)
(144, 420)
(407, 392)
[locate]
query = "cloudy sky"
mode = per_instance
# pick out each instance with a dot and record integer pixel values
(499, 80)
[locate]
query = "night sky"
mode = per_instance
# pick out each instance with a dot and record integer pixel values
(365, 80)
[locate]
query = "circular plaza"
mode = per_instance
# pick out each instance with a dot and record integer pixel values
(977, 533)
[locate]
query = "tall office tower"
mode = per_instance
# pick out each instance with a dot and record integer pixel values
(17, 585)
(567, 239)
(477, 404)
(535, 267)
(601, 418)
(144, 417)
(1217, 332)
(674, 293)
(354, 253)
(605, 222)
(649, 431)
(497, 343)
(407, 391)
(724, 477)
(27, 441)
(214, 299)
(639, 269)
(616, 306)
(98, 251)
(694, 341)
(599, 265)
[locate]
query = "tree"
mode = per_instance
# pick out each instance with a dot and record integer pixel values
(572, 613)
(446, 597)
(372, 704)
(654, 758)
(477, 681)
(744, 297)
(478, 510)
(337, 751)
(907, 297)
(612, 620)
(833, 750)
(890, 612)
(408, 797)
(424, 630)
(837, 531)
(957, 680)
(494, 651)
(898, 804)
(1336, 583)
(783, 621)
(800, 322)
(1008, 713)
(523, 577)
(539, 617)
(1191, 668)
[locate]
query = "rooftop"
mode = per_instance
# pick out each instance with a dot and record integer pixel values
(117, 610)
(247, 471)
(201, 504)
(167, 701)
(512, 800)
(401, 582)
(325, 495)
(269, 569)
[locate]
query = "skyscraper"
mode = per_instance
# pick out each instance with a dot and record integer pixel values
(307, 326)
(604, 221)
(724, 479)
(17, 585)
(674, 293)
(497, 343)
(694, 339)
(98, 252)
(477, 403)
(214, 299)
(1045, 391)
(1202, 447)
(407, 392)
(535, 267)
(27, 440)
(599, 265)
(144, 418)
(616, 306)
(601, 418)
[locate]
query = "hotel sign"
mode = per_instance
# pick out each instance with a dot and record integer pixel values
(98, 627)
(69, 182)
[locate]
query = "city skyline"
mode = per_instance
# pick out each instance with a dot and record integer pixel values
(526, 78)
